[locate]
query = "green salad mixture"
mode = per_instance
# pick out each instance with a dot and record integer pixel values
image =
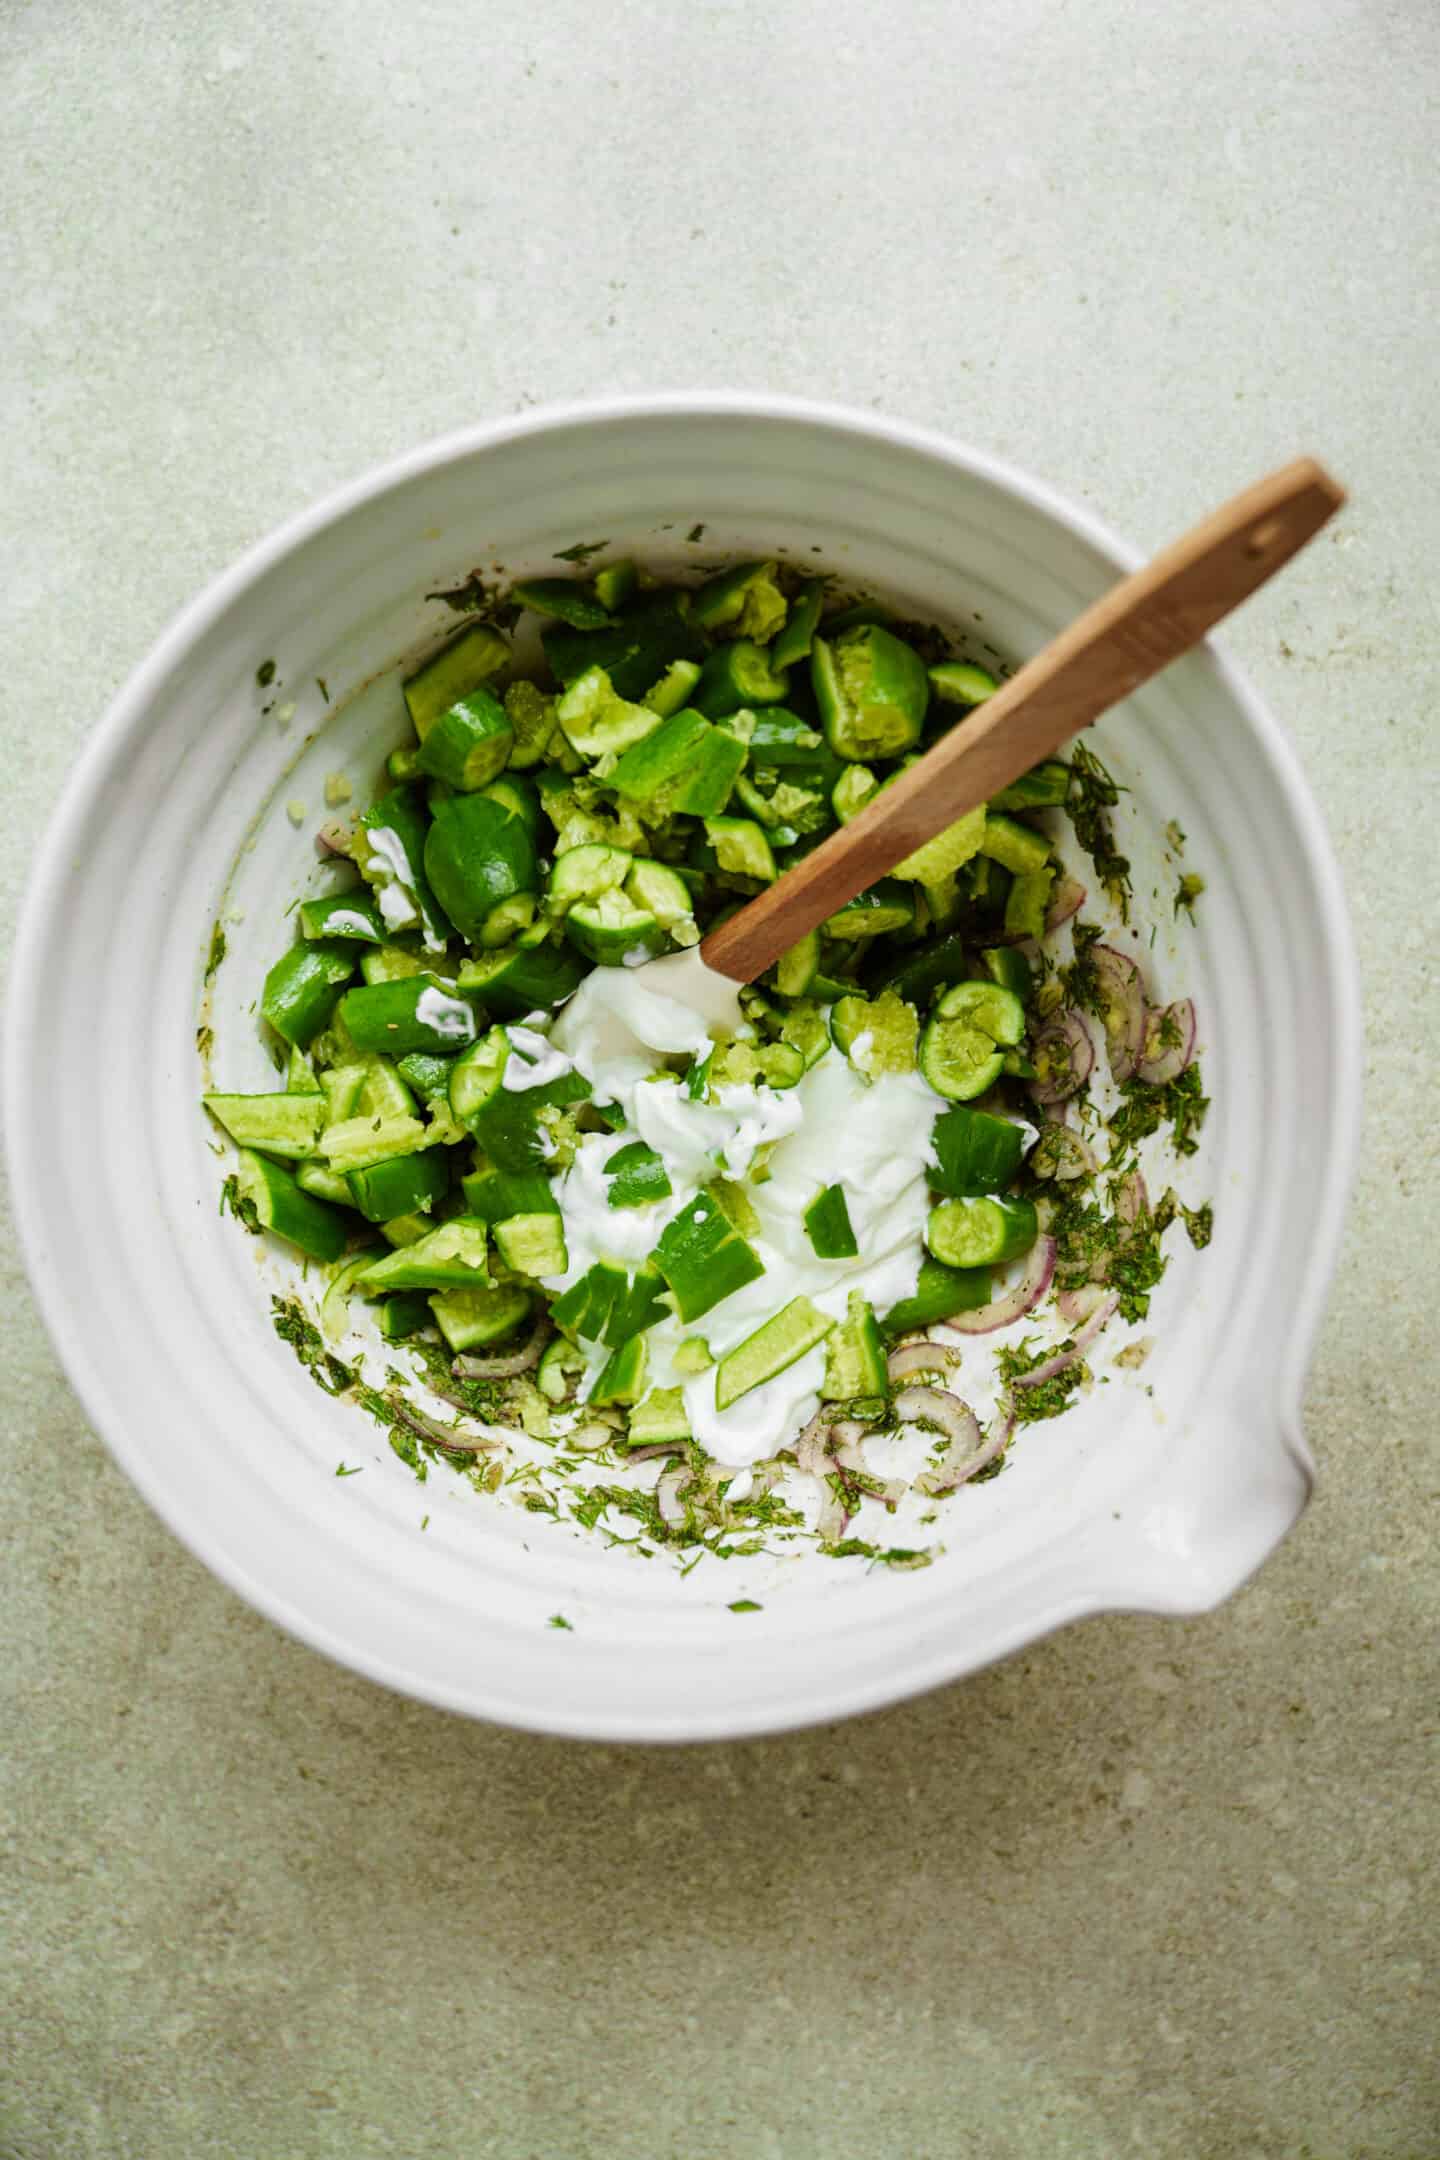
(668, 753)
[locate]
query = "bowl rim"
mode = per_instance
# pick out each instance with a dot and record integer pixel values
(46, 876)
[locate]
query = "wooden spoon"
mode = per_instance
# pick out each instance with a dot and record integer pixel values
(1139, 627)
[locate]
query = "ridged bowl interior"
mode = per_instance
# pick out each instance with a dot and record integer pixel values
(1163, 1490)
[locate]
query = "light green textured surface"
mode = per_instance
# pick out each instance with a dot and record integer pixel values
(1152, 1889)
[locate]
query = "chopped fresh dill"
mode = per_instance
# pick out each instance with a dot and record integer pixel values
(1181, 1103)
(558, 1620)
(1093, 794)
(480, 597)
(896, 1556)
(1187, 892)
(696, 532)
(293, 1326)
(1051, 1397)
(744, 1604)
(348, 1469)
(204, 1040)
(320, 686)
(244, 1210)
(217, 951)
(581, 551)
(265, 674)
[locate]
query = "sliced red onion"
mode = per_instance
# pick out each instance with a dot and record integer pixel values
(1066, 1057)
(651, 1452)
(922, 1356)
(1102, 1313)
(1122, 991)
(669, 1494)
(935, 1406)
(513, 1362)
(1132, 1199)
(1076, 1306)
(446, 1436)
(1067, 897)
(849, 1457)
(1169, 1043)
(1014, 1303)
(812, 1448)
(955, 1472)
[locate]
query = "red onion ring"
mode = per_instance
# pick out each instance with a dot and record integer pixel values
(849, 1457)
(1014, 1303)
(935, 1406)
(335, 837)
(950, 1475)
(922, 1356)
(1065, 1056)
(1161, 1062)
(1132, 1199)
(1066, 899)
(651, 1452)
(1122, 992)
(446, 1436)
(1101, 1315)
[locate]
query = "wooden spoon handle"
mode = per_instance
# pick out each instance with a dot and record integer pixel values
(1133, 631)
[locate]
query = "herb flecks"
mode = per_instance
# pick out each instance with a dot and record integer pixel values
(244, 1210)
(1048, 1398)
(744, 1604)
(217, 950)
(1187, 892)
(1093, 795)
(558, 1620)
(1180, 1103)
(581, 551)
(481, 597)
(293, 1325)
(265, 674)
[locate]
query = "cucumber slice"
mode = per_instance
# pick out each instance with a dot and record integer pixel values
(872, 691)
(597, 721)
(476, 656)
(962, 1049)
(522, 978)
(559, 1368)
(402, 1185)
(279, 1204)
(741, 847)
(562, 600)
(941, 857)
(1044, 787)
(279, 1124)
(855, 1355)
(343, 915)
(451, 1254)
(851, 792)
(622, 1377)
(533, 1244)
(886, 907)
(584, 873)
(471, 1319)
(939, 1291)
(974, 1152)
(613, 933)
(984, 1231)
(779, 1343)
(1027, 901)
(828, 1226)
(417, 1013)
(469, 744)
(960, 682)
(659, 1416)
(687, 766)
(703, 1258)
(477, 855)
(1017, 847)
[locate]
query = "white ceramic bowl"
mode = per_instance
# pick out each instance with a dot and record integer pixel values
(1161, 1494)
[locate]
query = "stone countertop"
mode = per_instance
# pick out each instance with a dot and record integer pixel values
(1150, 1888)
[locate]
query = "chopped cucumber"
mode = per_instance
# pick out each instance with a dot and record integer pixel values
(779, 1343)
(982, 1231)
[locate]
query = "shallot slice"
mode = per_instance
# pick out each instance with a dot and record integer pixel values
(1084, 1335)
(1064, 1056)
(1067, 897)
(1168, 1045)
(1012, 1304)
(957, 1469)
(921, 1357)
(1122, 992)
